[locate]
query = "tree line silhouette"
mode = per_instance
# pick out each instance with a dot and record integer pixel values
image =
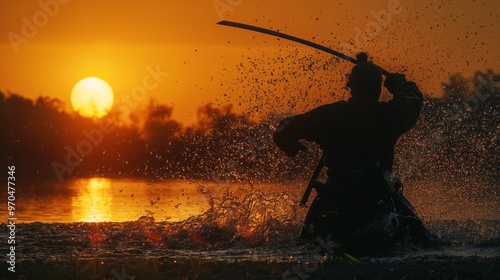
(458, 132)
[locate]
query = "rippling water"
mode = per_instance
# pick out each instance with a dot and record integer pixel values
(101, 218)
(102, 228)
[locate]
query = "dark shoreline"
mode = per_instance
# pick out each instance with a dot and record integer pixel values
(442, 267)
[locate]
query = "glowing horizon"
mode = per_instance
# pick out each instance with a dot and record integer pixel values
(54, 46)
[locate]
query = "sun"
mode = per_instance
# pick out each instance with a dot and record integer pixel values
(92, 97)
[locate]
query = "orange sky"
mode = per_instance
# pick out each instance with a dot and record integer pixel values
(117, 40)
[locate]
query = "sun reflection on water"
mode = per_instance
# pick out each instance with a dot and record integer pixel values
(93, 201)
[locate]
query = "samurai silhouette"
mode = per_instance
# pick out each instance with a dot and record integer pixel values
(360, 203)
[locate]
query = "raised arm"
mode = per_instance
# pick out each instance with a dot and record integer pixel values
(406, 103)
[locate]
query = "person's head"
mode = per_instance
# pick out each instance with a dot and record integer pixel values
(365, 80)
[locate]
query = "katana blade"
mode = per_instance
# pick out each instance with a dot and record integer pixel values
(292, 38)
